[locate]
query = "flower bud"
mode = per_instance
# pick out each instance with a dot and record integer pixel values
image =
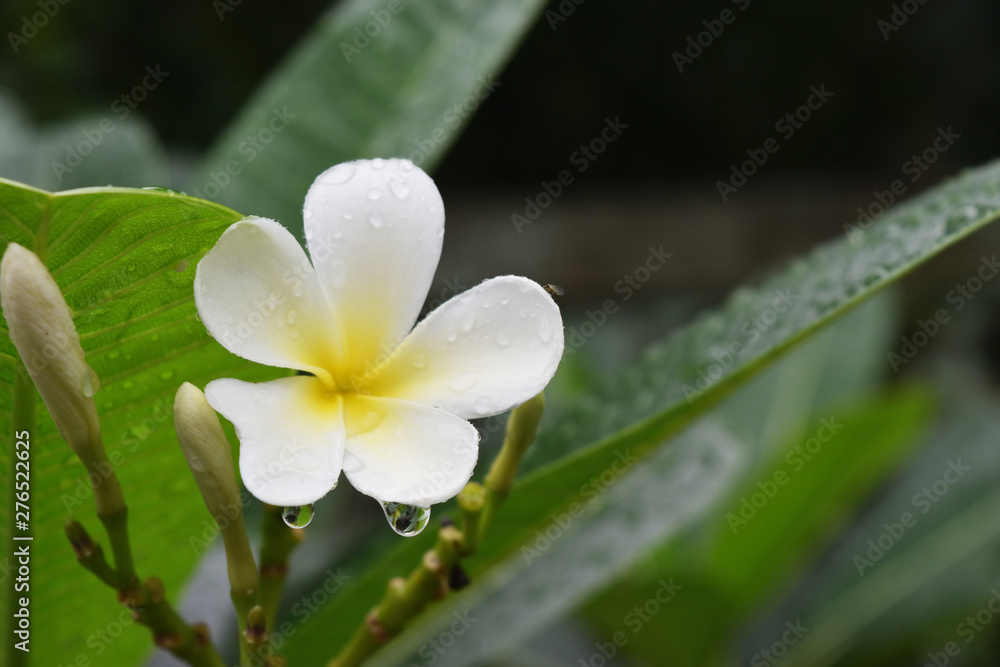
(207, 452)
(41, 327)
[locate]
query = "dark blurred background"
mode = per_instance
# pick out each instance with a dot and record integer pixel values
(892, 89)
(940, 68)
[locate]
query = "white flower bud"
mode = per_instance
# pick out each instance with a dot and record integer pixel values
(207, 452)
(41, 327)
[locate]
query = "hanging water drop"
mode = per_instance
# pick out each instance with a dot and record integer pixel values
(297, 517)
(406, 520)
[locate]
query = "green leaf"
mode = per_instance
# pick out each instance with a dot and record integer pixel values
(395, 97)
(702, 362)
(780, 408)
(942, 567)
(125, 261)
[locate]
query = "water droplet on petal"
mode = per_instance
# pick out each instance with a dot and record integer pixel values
(340, 174)
(347, 214)
(291, 316)
(307, 213)
(298, 288)
(452, 334)
(419, 361)
(90, 383)
(406, 520)
(374, 194)
(468, 323)
(375, 217)
(399, 188)
(378, 163)
(338, 234)
(297, 517)
(504, 301)
(464, 382)
(294, 333)
(502, 340)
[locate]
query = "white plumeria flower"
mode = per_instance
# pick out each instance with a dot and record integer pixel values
(386, 404)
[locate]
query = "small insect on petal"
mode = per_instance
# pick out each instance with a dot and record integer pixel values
(554, 290)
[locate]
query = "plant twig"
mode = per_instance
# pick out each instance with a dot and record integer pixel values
(279, 540)
(148, 604)
(405, 598)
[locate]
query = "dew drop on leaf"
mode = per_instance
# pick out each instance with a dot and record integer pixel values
(406, 520)
(297, 517)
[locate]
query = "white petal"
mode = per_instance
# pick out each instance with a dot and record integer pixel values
(374, 230)
(408, 453)
(481, 353)
(257, 294)
(291, 435)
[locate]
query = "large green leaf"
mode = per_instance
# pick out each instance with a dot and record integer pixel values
(125, 260)
(407, 92)
(650, 402)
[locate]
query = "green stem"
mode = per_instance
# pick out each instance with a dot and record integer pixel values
(279, 541)
(148, 603)
(116, 525)
(244, 583)
(22, 422)
(405, 598)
